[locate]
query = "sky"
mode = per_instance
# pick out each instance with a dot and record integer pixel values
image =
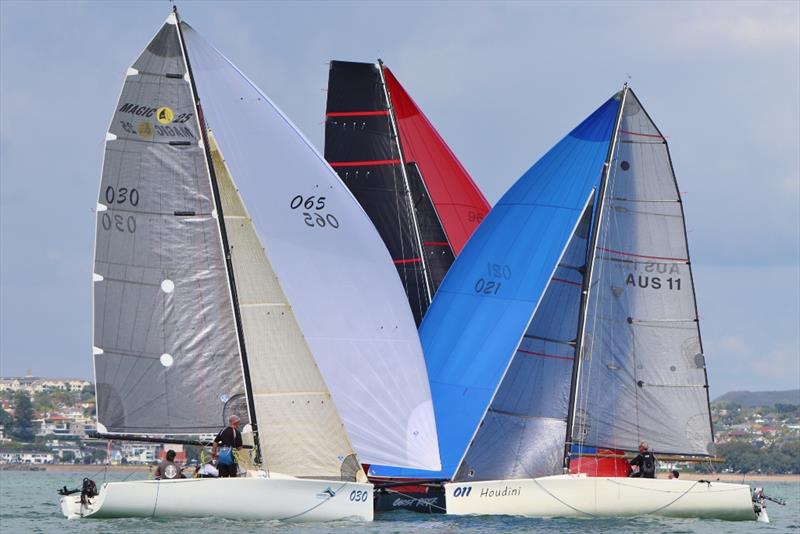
(502, 82)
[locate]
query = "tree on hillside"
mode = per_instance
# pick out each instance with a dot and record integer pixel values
(22, 428)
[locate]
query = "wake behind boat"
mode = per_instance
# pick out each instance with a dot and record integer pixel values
(204, 309)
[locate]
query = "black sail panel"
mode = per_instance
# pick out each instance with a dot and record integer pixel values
(360, 145)
(435, 246)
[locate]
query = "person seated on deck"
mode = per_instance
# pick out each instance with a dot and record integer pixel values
(167, 469)
(228, 439)
(645, 461)
(673, 475)
(207, 470)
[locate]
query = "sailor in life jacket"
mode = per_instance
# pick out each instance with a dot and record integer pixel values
(645, 461)
(167, 468)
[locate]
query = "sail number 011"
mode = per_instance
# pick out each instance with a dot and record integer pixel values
(312, 217)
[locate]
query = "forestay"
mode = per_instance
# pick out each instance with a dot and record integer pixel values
(486, 302)
(643, 373)
(331, 264)
(166, 354)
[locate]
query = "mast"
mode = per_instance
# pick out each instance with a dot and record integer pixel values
(409, 199)
(224, 236)
(587, 280)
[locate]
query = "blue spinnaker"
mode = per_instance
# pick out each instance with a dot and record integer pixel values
(486, 301)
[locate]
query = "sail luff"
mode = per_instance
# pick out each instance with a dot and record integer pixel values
(223, 237)
(592, 251)
(409, 200)
(688, 263)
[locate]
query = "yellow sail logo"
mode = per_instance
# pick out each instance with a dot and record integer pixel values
(145, 129)
(164, 115)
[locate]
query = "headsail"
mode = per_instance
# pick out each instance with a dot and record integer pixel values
(300, 432)
(643, 375)
(166, 353)
(331, 264)
(422, 201)
(485, 305)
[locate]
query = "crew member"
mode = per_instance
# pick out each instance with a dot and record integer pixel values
(167, 468)
(645, 461)
(228, 440)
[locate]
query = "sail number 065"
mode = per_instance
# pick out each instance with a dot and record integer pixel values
(313, 217)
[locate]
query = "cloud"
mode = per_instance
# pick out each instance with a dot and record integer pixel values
(760, 26)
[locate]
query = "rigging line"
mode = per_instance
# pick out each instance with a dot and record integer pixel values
(337, 490)
(561, 501)
(429, 505)
(676, 499)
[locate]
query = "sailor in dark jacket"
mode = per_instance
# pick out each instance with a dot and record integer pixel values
(645, 461)
(167, 468)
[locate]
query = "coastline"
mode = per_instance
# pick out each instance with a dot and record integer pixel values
(687, 475)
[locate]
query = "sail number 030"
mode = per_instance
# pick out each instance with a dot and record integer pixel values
(313, 217)
(359, 495)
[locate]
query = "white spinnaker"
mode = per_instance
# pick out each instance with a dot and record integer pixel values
(300, 432)
(331, 264)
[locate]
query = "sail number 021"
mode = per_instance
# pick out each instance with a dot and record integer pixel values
(312, 217)
(490, 284)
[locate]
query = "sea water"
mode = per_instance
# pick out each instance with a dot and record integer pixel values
(29, 503)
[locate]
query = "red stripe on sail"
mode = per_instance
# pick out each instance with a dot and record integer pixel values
(570, 282)
(364, 163)
(543, 355)
(356, 113)
(640, 255)
(642, 134)
(409, 260)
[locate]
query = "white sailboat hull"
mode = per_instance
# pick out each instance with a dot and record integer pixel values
(581, 496)
(290, 499)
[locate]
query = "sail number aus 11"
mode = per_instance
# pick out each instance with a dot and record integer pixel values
(490, 284)
(312, 216)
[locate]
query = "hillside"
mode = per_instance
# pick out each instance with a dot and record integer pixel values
(752, 399)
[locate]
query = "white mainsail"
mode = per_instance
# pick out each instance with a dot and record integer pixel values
(330, 263)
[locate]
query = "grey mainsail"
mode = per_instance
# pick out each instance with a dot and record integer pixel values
(642, 374)
(166, 353)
